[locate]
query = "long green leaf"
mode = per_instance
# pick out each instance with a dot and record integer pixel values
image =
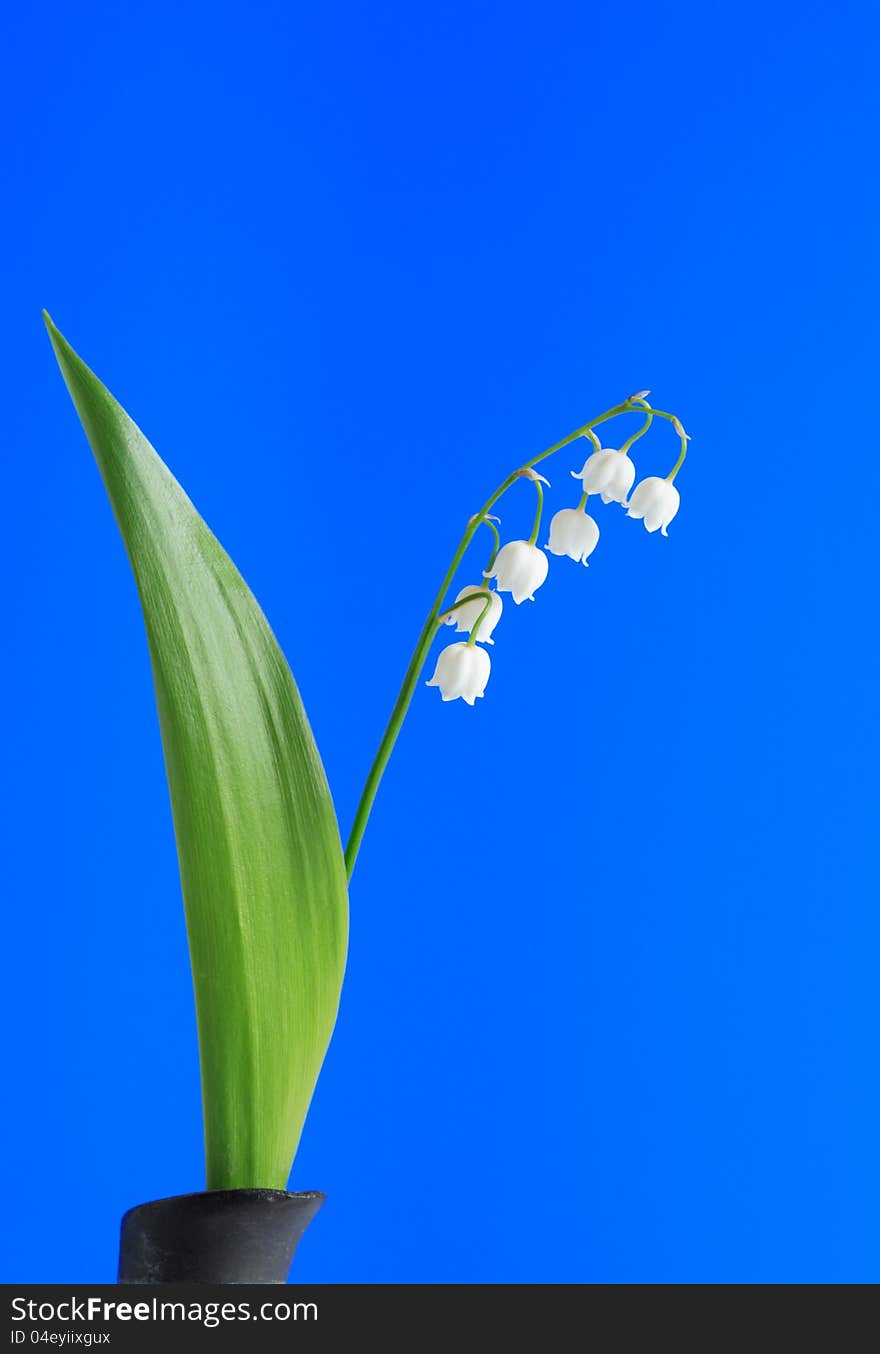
(258, 844)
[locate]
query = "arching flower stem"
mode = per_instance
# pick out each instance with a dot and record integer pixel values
(472, 639)
(539, 509)
(640, 432)
(676, 423)
(680, 462)
(487, 522)
(464, 601)
(429, 629)
(649, 409)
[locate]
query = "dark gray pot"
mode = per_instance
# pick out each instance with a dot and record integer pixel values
(221, 1236)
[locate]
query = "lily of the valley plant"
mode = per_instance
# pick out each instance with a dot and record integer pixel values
(263, 870)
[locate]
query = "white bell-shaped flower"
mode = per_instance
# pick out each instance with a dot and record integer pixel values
(574, 533)
(462, 670)
(520, 568)
(656, 501)
(464, 618)
(607, 472)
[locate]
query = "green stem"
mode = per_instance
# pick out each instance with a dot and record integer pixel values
(583, 503)
(680, 462)
(486, 522)
(540, 508)
(472, 637)
(478, 592)
(636, 435)
(673, 419)
(423, 643)
(657, 413)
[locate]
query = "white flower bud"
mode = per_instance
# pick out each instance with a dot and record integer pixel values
(573, 533)
(520, 568)
(607, 472)
(462, 670)
(656, 501)
(464, 618)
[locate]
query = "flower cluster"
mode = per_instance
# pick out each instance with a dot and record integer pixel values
(520, 567)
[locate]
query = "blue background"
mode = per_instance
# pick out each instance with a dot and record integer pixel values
(611, 1012)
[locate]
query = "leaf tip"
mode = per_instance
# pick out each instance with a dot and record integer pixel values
(60, 345)
(54, 334)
